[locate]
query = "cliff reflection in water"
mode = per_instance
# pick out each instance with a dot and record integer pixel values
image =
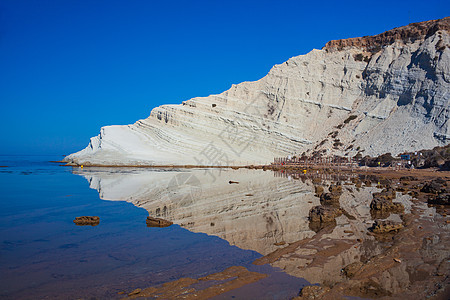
(268, 212)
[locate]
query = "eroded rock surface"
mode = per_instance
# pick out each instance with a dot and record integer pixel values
(386, 93)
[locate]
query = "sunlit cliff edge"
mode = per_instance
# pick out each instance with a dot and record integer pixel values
(376, 94)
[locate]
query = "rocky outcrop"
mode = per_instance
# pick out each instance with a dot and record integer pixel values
(157, 222)
(87, 220)
(405, 34)
(324, 214)
(385, 226)
(382, 205)
(386, 93)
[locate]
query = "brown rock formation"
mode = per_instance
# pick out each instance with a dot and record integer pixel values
(324, 214)
(157, 222)
(385, 226)
(87, 220)
(408, 33)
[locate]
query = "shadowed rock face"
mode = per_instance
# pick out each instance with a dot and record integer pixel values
(386, 93)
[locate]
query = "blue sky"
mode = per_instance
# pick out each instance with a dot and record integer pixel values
(69, 67)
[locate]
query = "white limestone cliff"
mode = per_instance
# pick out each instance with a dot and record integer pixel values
(394, 85)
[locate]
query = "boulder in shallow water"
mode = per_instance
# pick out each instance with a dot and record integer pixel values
(157, 222)
(87, 220)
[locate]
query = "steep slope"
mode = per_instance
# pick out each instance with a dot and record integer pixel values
(386, 93)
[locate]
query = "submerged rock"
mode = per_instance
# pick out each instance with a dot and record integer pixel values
(87, 220)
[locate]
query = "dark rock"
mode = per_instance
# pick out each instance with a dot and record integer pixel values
(157, 222)
(324, 213)
(433, 187)
(231, 182)
(329, 199)
(387, 193)
(441, 199)
(445, 166)
(408, 178)
(385, 226)
(87, 220)
(384, 204)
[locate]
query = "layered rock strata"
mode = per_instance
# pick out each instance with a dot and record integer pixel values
(385, 93)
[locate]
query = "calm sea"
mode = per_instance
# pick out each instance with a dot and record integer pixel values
(43, 254)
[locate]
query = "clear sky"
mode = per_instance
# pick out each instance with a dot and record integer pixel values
(68, 67)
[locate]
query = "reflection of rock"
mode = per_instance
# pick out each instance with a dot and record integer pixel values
(385, 226)
(276, 210)
(264, 211)
(87, 220)
(157, 222)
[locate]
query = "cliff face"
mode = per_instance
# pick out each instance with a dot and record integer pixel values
(386, 93)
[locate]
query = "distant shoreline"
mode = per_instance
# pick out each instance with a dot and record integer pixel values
(379, 171)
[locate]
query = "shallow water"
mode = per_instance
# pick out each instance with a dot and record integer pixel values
(222, 218)
(43, 253)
